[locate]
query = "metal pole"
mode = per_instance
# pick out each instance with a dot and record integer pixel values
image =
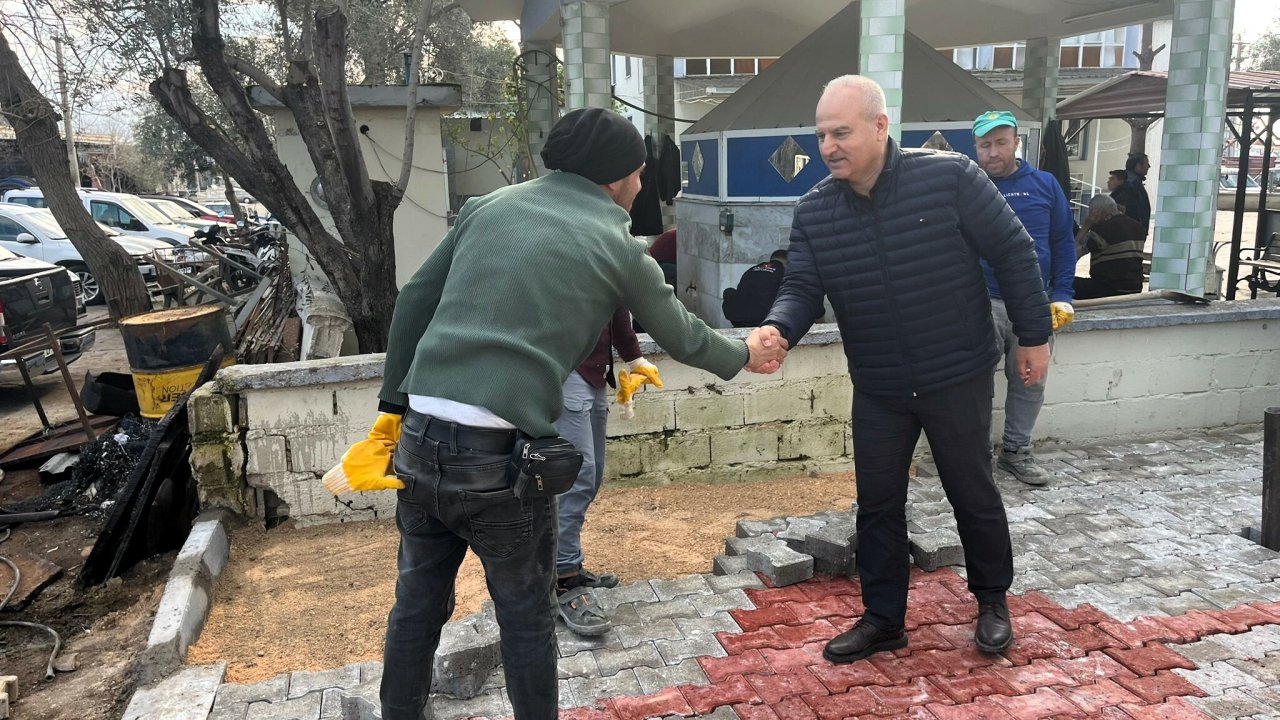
(71, 383)
(1271, 478)
(1237, 226)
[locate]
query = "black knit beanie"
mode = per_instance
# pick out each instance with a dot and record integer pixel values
(598, 144)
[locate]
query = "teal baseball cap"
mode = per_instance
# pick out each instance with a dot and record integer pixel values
(992, 119)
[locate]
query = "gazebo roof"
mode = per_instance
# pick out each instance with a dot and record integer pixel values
(1142, 93)
(784, 95)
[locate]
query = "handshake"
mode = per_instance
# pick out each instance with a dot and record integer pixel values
(767, 350)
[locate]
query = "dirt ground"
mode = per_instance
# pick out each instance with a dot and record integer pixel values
(103, 629)
(317, 598)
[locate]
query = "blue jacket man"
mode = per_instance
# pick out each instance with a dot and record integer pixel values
(1037, 199)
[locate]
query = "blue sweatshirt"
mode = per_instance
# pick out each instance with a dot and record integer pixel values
(1038, 201)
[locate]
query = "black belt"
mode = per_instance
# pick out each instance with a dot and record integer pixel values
(464, 436)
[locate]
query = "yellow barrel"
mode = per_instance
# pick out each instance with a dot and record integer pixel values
(168, 348)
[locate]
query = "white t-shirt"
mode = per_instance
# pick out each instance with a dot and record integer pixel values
(461, 413)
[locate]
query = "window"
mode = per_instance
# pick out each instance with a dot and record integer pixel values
(963, 57)
(1077, 134)
(744, 66)
(626, 62)
(695, 66)
(9, 230)
(726, 66)
(721, 66)
(35, 202)
(1003, 59)
(113, 215)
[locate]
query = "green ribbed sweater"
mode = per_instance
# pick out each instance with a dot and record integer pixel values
(517, 294)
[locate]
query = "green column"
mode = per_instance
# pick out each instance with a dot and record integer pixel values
(1191, 144)
(586, 55)
(541, 95)
(880, 53)
(1040, 78)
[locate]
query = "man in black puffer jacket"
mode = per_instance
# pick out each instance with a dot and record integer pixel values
(893, 238)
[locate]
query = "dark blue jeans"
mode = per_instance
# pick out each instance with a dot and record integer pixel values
(455, 498)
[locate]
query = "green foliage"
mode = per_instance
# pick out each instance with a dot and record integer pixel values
(1266, 50)
(163, 144)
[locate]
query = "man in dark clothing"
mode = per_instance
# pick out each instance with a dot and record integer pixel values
(893, 238)
(1132, 194)
(1114, 243)
(1115, 179)
(748, 305)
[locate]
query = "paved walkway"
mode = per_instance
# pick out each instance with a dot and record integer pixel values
(1136, 598)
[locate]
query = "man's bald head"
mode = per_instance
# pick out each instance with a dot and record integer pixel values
(866, 92)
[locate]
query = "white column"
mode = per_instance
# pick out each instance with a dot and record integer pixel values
(1191, 144)
(540, 94)
(880, 51)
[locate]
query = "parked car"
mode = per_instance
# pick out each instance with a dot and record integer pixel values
(34, 233)
(128, 213)
(196, 209)
(1227, 183)
(182, 216)
(33, 293)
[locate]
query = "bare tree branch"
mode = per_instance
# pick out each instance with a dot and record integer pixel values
(331, 33)
(254, 73)
(411, 101)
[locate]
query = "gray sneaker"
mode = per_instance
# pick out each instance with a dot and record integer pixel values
(1023, 465)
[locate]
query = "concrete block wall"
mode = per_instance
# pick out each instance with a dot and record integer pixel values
(264, 435)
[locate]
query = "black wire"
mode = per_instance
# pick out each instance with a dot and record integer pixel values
(650, 112)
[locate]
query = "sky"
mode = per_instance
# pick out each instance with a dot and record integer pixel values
(110, 113)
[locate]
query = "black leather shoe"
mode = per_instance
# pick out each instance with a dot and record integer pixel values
(994, 633)
(863, 640)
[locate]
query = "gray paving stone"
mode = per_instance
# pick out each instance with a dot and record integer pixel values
(610, 598)
(1266, 669)
(1204, 652)
(632, 635)
(833, 548)
(612, 661)
(736, 546)
(756, 528)
(1184, 603)
(730, 565)
(676, 651)
(709, 625)
(570, 644)
(1233, 704)
(187, 694)
(331, 703)
(301, 683)
(692, 585)
(744, 581)
(678, 607)
(588, 690)
(1219, 677)
(939, 548)
(735, 599)
(492, 704)
(581, 665)
(782, 565)
(687, 672)
(306, 707)
(369, 671)
(1230, 597)
(468, 652)
(234, 711)
(271, 690)
(1256, 643)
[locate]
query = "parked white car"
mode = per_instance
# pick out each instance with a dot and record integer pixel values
(182, 216)
(128, 213)
(34, 233)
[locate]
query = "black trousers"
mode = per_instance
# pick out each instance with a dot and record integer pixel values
(957, 422)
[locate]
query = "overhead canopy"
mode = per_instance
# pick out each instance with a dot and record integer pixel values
(1142, 93)
(727, 28)
(784, 94)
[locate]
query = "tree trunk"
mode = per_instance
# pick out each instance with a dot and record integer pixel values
(35, 125)
(229, 191)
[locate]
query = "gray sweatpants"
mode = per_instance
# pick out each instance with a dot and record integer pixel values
(1021, 404)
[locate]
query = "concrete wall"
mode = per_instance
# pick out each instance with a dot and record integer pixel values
(420, 220)
(263, 435)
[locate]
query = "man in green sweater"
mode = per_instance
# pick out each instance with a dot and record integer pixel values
(482, 339)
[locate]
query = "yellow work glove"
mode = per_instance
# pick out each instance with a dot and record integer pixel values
(639, 372)
(366, 465)
(1063, 314)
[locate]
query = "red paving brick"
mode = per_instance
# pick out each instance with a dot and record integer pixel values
(780, 614)
(1156, 688)
(858, 701)
(979, 683)
(661, 704)
(1044, 703)
(1064, 663)
(1093, 698)
(792, 659)
(1175, 709)
(1150, 659)
(984, 709)
(1041, 673)
(897, 699)
(717, 669)
(839, 678)
(731, 691)
(772, 688)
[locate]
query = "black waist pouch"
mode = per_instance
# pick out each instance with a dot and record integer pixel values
(543, 467)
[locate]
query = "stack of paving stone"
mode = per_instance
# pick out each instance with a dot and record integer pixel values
(789, 550)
